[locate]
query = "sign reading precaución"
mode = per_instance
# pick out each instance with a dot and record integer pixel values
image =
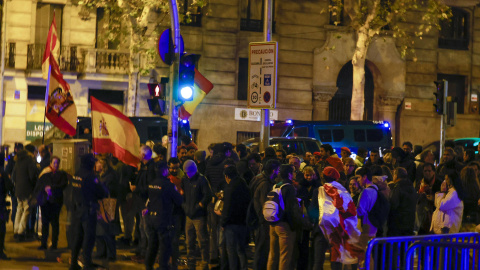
(35, 130)
(262, 75)
(253, 115)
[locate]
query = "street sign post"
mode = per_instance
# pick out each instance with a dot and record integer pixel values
(262, 75)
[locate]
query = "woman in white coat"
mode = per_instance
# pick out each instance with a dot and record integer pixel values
(447, 218)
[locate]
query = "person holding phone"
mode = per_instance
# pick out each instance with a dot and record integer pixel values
(447, 218)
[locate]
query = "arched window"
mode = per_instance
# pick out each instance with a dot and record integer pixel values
(340, 105)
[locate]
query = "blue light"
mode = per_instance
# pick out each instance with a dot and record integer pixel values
(272, 122)
(386, 124)
(184, 121)
(186, 92)
(289, 121)
(475, 144)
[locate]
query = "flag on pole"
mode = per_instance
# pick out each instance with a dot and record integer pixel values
(202, 87)
(60, 109)
(114, 133)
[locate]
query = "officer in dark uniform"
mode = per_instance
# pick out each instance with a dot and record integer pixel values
(8, 170)
(87, 190)
(162, 197)
(3, 213)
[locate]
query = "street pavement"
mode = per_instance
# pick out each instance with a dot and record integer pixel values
(25, 255)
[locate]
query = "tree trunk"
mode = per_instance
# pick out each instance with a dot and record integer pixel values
(133, 80)
(358, 86)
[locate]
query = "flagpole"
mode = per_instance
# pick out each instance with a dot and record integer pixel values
(47, 92)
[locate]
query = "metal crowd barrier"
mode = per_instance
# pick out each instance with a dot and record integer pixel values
(391, 252)
(443, 255)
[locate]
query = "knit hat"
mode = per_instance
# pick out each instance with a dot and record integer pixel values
(30, 148)
(190, 167)
(200, 155)
(346, 149)
(331, 172)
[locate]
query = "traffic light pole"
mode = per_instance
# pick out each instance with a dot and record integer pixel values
(443, 124)
(267, 35)
(173, 111)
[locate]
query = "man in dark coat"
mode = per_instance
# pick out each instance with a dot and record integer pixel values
(87, 190)
(402, 160)
(162, 196)
(403, 202)
(49, 194)
(3, 214)
(259, 188)
(214, 174)
(24, 177)
(233, 221)
(197, 195)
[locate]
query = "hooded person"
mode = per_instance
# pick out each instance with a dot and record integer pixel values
(334, 211)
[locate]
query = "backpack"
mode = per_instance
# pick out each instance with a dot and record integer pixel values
(379, 213)
(274, 206)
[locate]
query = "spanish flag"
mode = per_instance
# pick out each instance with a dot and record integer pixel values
(60, 109)
(114, 133)
(202, 87)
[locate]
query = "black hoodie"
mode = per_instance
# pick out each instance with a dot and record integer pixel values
(24, 175)
(214, 172)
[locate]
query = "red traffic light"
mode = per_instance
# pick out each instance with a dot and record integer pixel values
(156, 90)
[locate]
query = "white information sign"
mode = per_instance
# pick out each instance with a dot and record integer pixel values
(252, 114)
(262, 75)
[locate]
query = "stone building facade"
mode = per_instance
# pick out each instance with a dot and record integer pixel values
(313, 63)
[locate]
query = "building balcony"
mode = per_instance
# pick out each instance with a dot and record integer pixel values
(68, 60)
(105, 61)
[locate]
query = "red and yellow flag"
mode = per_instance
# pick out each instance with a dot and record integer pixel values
(114, 133)
(60, 109)
(202, 87)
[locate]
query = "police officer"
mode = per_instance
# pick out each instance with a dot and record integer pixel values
(87, 190)
(162, 197)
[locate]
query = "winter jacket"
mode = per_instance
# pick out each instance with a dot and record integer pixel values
(409, 165)
(236, 199)
(57, 181)
(367, 199)
(244, 171)
(292, 214)
(403, 202)
(259, 188)
(24, 175)
(214, 172)
(162, 198)
(196, 190)
(110, 181)
(448, 213)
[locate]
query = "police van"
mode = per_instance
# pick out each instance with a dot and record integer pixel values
(352, 134)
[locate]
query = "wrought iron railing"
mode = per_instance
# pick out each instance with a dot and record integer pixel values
(68, 60)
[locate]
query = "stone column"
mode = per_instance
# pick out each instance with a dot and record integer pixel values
(387, 111)
(321, 99)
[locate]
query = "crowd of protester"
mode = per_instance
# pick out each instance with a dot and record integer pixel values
(219, 200)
